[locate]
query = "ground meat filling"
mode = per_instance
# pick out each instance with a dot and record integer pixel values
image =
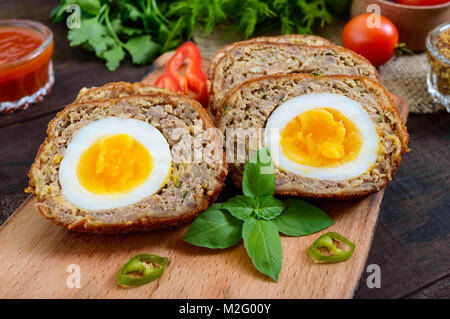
(190, 184)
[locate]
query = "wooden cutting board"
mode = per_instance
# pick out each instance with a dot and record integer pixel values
(35, 257)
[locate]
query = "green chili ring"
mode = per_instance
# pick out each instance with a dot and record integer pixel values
(141, 269)
(327, 241)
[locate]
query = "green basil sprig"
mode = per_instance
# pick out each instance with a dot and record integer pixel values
(257, 217)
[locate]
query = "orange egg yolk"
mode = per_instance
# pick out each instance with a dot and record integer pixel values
(321, 137)
(114, 164)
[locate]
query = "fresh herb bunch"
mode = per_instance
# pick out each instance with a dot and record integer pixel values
(257, 217)
(112, 28)
(146, 28)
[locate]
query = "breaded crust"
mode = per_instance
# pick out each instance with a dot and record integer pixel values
(117, 89)
(287, 38)
(251, 103)
(177, 203)
(252, 60)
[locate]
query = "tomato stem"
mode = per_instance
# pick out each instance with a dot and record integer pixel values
(401, 49)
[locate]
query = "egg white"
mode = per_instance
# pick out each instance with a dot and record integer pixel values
(348, 107)
(143, 132)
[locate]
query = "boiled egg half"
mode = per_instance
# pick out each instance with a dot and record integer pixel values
(323, 136)
(114, 162)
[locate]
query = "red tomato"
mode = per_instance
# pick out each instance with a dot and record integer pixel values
(421, 2)
(376, 44)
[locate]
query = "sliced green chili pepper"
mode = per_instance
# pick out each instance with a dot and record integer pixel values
(328, 241)
(141, 269)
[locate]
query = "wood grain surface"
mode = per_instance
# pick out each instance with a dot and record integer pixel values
(411, 242)
(35, 254)
(29, 239)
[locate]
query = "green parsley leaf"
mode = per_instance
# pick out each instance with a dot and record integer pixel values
(301, 218)
(90, 29)
(259, 178)
(131, 12)
(89, 6)
(58, 13)
(269, 207)
(120, 29)
(240, 206)
(142, 49)
(263, 244)
(101, 45)
(225, 109)
(214, 228)
(113, 57)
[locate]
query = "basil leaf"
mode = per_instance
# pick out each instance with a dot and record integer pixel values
(269, 207)
(259, 178)
(214, 228)
(240, 206)
(263, 244)
(301, 218)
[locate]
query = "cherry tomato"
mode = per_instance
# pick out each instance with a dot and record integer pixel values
(376, 44)
(421, 2)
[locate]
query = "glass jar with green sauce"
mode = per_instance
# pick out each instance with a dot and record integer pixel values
(438, 53)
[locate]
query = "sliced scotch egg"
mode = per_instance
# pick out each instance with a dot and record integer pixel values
(125, 157)
(114, 162)
(323, 136)
(330, 136)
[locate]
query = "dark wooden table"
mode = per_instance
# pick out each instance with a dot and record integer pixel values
(411, 242)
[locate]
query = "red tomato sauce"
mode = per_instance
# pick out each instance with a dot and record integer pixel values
(22, 79)
(16, 42)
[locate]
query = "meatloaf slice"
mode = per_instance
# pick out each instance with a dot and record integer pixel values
(252, 60)
(287, 38)
(192, 187)
(250, 105)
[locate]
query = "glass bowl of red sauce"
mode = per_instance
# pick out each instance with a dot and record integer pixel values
(26, 70)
